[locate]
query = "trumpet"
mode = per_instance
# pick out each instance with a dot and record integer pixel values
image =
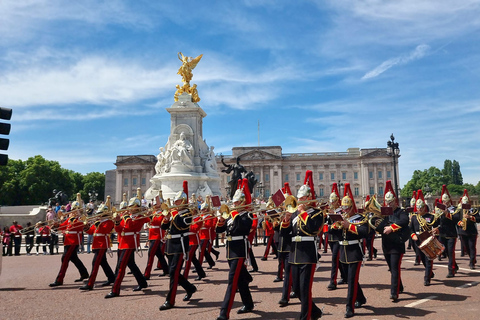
(291, 204)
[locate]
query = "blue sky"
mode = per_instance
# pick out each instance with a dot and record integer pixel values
(89, 80)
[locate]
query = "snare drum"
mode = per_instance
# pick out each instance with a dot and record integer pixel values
(432, 247)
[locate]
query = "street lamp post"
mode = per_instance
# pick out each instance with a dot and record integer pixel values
(93, 194)
(394, 151)
(340, 186)
(261, 189)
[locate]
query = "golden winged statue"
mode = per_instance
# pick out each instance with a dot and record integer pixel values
(188, 64)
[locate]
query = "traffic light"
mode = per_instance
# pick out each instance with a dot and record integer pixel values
(5, 114)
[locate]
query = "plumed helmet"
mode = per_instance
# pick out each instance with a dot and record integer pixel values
(465, 198)
(389, 196)
(414, 198)
(334, 195)
(182, 195)
(247, 191)
(307, 189)
(304, 191)
(77, 204)
(135, 201)
(445, 199)
(287, 188)
(239, 196)
(347, 199)
(366, 200)
(124, 202)
(437, 210)
(420, 202)
(104, 207)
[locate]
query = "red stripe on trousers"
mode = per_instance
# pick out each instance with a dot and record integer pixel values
(240, 263)
(121, 270)
(96, 266)
(65, 261)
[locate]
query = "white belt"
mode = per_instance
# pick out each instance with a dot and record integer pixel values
(203, 228)
(301, 239)
(348, 242)
(17, 236)
(130, 233)
(71, 232)
(45, 235)
(235, 238)
(99, 235)
(154, 227)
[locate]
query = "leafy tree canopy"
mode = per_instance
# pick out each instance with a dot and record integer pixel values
(32, 182)
(431, 181)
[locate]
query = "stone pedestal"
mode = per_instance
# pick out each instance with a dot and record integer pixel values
(185, 156)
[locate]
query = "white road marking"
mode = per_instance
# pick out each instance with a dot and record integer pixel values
(436, 264)
(413, 304)
(467, 285)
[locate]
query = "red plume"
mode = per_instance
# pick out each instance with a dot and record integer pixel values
(287, 189)
(419, 196)
(348, 192)
(246, 191)
(465, 193)
(388, 187)
(309, 181)
(239, 184)
(185, 187)
(444, 190)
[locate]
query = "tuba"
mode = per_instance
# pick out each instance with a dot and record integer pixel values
(374, 209)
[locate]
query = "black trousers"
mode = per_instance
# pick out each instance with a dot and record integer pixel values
(155, 249)
(205, 253)
(449, 244)
(70, 254)
(175, 262)
(304, 274)
(127, 259)
(287, 271)
(253, 262)
(470, 242)
(355, 292)
(238, 277)
(29, 243)
(17, 242)
(192, 259)
(427, 263)
(394, 262)
(100, 259)
(336, 265)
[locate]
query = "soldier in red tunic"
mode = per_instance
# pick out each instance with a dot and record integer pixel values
(101, 230)
(72, 228)
(205, 234)
(155, 237)
(129, 227)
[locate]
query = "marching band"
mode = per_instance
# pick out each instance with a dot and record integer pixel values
(178, 230)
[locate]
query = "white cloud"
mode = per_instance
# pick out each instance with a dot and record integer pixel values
(419, 52)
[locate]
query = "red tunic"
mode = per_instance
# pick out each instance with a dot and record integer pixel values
(208, 224)
(194, 229)
(129, 231)
(72, 230)
(268, 228)
(101, 234)
(155, 231)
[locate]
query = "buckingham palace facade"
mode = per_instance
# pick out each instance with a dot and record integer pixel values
(366, 170)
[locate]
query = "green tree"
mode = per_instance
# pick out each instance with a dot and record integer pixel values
(447, 171)
(94, 181)
(433, 177)
(456, 174)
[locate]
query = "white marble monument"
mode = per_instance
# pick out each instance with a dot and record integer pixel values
(186, 156)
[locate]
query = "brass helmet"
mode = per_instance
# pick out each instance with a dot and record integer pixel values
(124, 203)
(182, 195)
(465, 198)
(446, 199)
(420, 203)
(334, 195)
(135, 201)
(304, 191)
(104, 207)
(414, 198)
(77, 204)
(389, 195)
(239, 196)
(347, 200)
